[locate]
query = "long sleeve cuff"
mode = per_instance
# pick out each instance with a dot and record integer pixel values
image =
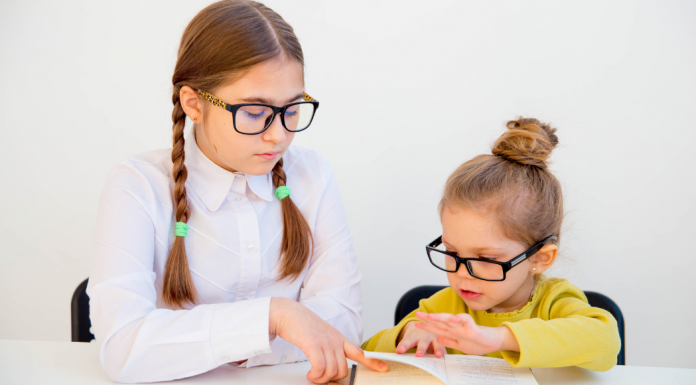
(239, 330)
(282, 352)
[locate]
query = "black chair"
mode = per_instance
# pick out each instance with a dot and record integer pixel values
(603, 302)
(409, 302)
(79, 311)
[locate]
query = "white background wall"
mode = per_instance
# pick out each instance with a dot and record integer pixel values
(409, 90)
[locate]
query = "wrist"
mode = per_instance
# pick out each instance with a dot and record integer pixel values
(508, 339)
(280, 306)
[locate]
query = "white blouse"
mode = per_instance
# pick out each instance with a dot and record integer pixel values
(232, 246)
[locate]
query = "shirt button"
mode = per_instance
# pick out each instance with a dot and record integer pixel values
(251, 247)
(238, 199)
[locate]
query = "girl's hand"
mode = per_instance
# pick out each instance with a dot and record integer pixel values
(325, 347)
(461, 332)
(425, 341)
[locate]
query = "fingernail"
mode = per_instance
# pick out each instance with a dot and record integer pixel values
(382, 365)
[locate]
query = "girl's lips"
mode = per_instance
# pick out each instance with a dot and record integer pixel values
(268, 155)
(469, 294)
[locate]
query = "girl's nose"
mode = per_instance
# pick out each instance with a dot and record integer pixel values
(463, 272)
(276, 132)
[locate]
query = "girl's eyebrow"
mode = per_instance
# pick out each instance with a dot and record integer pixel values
(478, 250)
(493, 251)
(254, 99)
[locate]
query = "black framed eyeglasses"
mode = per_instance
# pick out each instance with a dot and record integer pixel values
(255, 118)
(478, 268)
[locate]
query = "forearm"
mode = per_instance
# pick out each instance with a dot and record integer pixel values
(143, 344)
(586, 342)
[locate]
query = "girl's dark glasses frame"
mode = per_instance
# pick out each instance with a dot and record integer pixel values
(506, 266)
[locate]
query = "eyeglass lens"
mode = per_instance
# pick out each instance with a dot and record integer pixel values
(480, 269)
(252, 119)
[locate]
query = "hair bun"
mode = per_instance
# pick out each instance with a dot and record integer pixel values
(527, 141)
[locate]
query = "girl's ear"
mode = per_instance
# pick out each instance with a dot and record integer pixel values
(188, 98)
(543, 259)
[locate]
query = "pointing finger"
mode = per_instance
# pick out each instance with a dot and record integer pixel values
(356, 354)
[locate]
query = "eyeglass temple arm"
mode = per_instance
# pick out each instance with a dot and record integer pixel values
(213, 99)
(220, 103)
(436, 242)
(534, 249)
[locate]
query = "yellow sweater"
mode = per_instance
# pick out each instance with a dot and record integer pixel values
(556, 328)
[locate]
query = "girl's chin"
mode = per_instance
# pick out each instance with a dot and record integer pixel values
(478, 307)
(259, 168)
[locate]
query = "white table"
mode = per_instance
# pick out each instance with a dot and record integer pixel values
(73, 363)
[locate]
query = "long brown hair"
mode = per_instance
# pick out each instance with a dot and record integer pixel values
(514, 183)
(220, 41)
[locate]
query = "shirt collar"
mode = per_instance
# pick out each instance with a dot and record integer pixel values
(212, 183)
(261, 185)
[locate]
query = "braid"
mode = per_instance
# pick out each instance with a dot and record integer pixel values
(179, 172)
(178, 287)
(279, 177)
(297, 242)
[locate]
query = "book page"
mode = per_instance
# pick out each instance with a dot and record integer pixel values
(476, 370)
(398, 374)
(404, 369)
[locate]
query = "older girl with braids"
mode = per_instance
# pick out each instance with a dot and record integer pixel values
(501, 224)
(233, 246)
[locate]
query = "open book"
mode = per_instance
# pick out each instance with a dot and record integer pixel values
(452, 369)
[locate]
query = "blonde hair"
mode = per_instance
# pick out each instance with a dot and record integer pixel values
(222, 40)
(513, 183)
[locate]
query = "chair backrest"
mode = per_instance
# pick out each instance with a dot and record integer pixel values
(603, 302)
(79, 311)
(409, 302)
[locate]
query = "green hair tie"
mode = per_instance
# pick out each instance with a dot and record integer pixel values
(282, 192)
(180, 229)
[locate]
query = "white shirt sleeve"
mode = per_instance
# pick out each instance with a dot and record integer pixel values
(144, 343)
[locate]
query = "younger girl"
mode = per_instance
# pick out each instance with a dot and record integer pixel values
(501, 222)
